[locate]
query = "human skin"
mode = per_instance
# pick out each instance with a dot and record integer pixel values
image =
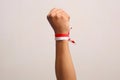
(64, 67)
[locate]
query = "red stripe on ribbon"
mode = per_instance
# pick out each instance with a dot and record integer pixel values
(61, 35)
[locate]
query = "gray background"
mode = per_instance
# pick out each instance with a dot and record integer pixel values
(27, 40)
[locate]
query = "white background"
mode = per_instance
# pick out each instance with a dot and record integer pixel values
(27, 48)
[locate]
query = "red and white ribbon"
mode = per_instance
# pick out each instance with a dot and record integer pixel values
(64, 37)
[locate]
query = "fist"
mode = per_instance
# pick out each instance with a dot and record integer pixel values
(59, 21)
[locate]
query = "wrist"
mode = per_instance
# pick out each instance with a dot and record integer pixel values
(62, 42)
(63, 36)
(61, 31)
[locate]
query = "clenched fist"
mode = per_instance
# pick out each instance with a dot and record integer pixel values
(59, 21)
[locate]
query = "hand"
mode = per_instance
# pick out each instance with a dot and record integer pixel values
(59, 21)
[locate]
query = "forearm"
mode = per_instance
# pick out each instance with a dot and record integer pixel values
(59, 21)
(64, 66)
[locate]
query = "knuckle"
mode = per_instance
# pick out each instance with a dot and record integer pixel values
(51, 15)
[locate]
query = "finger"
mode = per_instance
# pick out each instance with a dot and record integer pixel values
(59, 11)
(53, 10)
(66, 14)
(51, 13)
(63, 13)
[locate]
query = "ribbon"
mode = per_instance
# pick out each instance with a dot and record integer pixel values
(64, 37)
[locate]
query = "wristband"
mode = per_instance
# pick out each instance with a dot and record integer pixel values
(61, 38)
(64, 37)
